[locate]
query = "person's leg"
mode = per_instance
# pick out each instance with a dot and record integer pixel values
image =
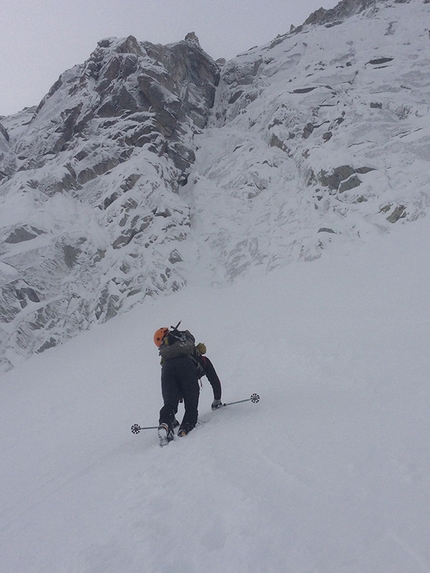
(189, 389)
(170, 393)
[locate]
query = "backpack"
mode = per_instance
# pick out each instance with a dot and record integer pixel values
(181, 343)
(177, 343)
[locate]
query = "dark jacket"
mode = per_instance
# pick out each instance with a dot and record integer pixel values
(174, 347)
(211, 375)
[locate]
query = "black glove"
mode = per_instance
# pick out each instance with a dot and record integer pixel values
(216, 404)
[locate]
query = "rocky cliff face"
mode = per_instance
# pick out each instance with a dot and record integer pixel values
(147, 163)
(318, 139)
(91, 220)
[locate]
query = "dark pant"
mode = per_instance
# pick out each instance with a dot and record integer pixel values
(179, 380)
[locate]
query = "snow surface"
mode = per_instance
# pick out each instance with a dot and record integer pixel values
(329, 473)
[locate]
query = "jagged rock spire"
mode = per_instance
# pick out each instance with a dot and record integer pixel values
(192, 39)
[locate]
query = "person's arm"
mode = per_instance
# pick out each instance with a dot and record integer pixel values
(212, 376)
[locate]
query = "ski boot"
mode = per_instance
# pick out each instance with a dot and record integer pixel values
(165, 434)
(183, 431)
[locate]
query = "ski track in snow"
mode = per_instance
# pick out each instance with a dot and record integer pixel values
(329, 472)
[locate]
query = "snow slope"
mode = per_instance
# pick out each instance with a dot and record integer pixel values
(328, 473)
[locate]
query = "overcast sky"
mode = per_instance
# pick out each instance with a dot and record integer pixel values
(40, 39)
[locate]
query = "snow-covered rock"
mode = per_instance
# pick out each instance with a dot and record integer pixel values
(149, 166)
(320, 136)
(90, 219)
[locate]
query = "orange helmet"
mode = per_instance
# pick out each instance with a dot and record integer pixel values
(159, 335)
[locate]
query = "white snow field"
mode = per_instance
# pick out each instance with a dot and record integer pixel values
(329, 473)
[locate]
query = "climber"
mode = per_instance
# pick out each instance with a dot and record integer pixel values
(182, 364)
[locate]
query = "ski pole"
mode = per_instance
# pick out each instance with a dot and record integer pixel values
(255, 398)
(136, 428)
